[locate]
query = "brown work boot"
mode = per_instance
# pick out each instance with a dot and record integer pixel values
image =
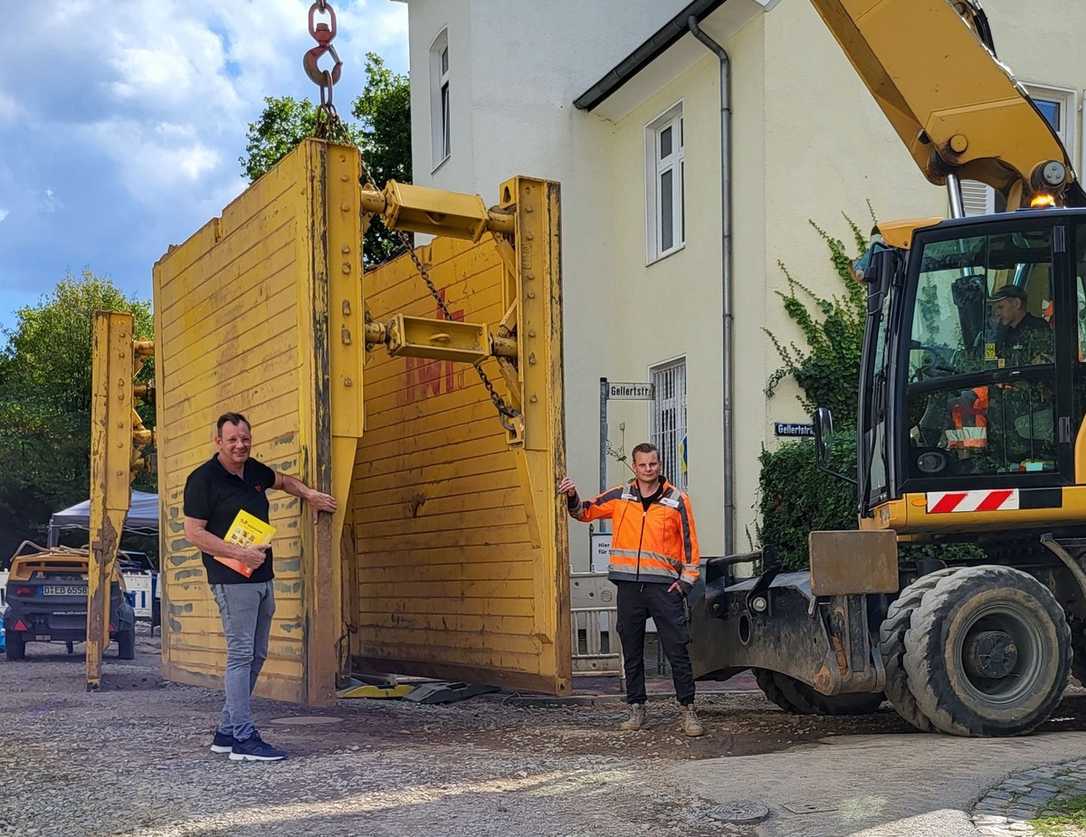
(689, 720)
(636, 719)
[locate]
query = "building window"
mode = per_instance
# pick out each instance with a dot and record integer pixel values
(1057, 105)
(668, 426)
(440, 111)
(666, 179)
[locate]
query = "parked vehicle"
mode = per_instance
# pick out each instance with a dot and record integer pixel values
(47, 601)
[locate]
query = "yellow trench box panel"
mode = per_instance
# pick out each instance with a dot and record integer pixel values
(241, 323)
(449, 578)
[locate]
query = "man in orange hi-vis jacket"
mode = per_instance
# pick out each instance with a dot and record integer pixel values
(654, 563)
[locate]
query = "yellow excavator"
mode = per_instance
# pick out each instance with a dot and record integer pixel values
(970, 426)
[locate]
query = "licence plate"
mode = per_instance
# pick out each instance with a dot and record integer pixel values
(64, 590)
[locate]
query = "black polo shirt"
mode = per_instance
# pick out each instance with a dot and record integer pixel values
(214, 494)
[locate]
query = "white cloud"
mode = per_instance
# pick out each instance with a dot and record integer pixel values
(140, 111)
(9, 108)
(49, 202)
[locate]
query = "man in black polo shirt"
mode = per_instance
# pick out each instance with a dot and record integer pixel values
(215, 492)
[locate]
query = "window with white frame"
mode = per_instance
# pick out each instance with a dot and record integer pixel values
(439, 98)
(668, 425)
(666, 179)
(1057, 105)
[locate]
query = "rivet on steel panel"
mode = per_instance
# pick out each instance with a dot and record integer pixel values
(533, 399)
(346, 268)
(346, 249)
(345, 207)
(531, 294)
(531, 359)
(348, 382)
(346, 308)
(345, 336)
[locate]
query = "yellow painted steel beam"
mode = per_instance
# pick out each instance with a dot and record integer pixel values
(540, 458)
(112, 361)
(437, 339)
(955, 107)
(404, 206)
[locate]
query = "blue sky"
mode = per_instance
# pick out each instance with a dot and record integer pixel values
(121, 122)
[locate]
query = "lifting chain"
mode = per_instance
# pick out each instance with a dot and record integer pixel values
(330, 127)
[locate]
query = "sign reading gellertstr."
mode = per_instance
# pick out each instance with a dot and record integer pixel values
(630, 391)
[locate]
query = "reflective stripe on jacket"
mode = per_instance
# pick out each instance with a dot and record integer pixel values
(657, 545)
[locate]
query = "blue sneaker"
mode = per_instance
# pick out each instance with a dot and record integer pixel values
(223, 743)
(254, 748)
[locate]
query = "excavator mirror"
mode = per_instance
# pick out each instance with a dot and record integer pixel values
(823, 429)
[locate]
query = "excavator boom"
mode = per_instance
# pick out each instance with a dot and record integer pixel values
(958, 110)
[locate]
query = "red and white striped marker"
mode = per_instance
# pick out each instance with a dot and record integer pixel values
(996, 499)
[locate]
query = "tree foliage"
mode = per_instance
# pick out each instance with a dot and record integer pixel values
(827, 368)
(382, 133)
(795, 496)
(45, 398)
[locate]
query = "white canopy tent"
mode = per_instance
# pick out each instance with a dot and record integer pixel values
(142, 517)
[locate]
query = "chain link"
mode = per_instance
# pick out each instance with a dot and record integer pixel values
(505, 412)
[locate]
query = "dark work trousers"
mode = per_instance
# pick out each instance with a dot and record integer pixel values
(637, 601)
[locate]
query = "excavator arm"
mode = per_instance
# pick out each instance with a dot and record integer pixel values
(931, 66)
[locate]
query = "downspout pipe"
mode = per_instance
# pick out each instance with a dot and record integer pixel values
(728, 336)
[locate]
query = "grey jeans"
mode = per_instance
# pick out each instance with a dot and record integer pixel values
(246, 611)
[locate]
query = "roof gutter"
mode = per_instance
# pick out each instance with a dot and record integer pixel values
(728, 337)
(645, 54)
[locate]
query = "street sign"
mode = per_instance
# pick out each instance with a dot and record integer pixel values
(630, 391)
(793, 429)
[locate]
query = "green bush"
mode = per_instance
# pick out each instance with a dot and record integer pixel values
(795, 497)
(828, 366)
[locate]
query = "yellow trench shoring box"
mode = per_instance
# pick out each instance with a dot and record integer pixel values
(448, 556)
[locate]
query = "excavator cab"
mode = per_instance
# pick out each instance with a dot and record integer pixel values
(971, 377)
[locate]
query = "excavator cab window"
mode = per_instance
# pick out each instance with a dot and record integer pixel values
(979, 357)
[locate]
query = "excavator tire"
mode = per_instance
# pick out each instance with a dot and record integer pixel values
(768, 684)
(860, 703)
(892, 648)
(1078, 647)
(797, 697)
(988, 652)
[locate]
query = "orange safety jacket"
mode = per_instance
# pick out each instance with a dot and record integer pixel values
(658, 545)
(970, 416)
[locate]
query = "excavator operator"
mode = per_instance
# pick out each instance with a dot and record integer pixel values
(1022, 338)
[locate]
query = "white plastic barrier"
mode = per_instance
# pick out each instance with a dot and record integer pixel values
(142, 588)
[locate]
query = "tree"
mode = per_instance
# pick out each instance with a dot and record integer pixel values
(45, 399)
(383, 135)
(828, 367)
(384, 111)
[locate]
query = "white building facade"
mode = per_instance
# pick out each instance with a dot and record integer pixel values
(621, 104)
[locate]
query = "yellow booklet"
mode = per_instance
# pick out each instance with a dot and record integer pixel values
(246, 530)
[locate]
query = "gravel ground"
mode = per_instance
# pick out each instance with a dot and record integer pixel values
(133, 759)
